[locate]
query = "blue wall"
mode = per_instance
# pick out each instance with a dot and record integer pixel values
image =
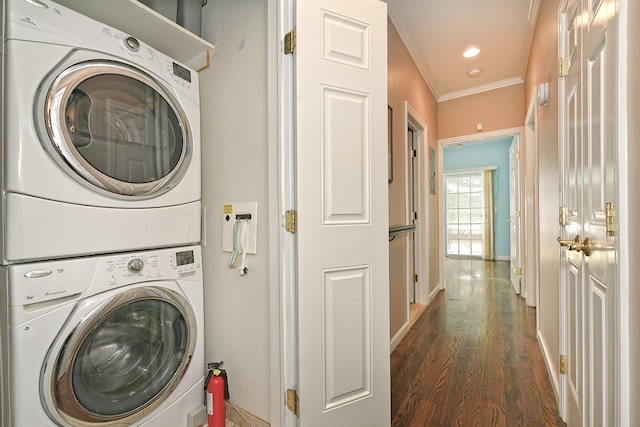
(479, 155)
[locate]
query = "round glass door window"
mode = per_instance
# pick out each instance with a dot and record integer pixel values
(125, 357)
(117, 129)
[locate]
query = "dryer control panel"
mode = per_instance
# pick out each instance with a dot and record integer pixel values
(45, 21)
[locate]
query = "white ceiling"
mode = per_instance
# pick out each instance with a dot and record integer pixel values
(437, 32)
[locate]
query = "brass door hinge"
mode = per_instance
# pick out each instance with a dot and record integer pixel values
(563, 364)
(414, 154)
(291, 221)
(611, 219)
(517, 155)
(415, 278)
(519, 272)
(563, 67)
(290, 42)
(292, 401)
(564, 215)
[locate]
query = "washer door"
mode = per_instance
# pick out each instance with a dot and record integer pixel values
(117, 129)
(123, 358)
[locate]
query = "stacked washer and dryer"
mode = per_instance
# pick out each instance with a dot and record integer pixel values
(101, 279)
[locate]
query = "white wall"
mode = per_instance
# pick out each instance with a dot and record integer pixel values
(235, 169)
(543, 68)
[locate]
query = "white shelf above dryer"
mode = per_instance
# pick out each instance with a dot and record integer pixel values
(138, 20)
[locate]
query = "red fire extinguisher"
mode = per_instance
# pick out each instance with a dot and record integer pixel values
(217, 392)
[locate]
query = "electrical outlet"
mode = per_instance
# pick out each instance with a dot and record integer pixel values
(197, 417)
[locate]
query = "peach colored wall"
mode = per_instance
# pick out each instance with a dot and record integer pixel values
(542, 68)
(496, 109)
(406, 84)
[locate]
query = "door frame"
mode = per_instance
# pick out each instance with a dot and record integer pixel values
(413, 121)
(516, 169)
(464, 139)
(531, 197)
(282, 259)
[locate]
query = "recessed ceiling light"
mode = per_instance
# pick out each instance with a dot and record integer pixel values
(471, 52)
(474, 72)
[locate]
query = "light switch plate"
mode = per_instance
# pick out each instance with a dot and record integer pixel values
(232, 212)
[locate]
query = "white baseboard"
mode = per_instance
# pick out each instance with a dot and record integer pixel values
(503, 258)
(555, 381)
(242, 418)
(434, 292)
(402, 332)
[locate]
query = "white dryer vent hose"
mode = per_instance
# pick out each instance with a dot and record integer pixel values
(238, 251)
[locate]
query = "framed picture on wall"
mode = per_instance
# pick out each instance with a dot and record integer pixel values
(390, 142)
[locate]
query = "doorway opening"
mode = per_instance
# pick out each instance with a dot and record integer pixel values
(417, 213)
(468, 234)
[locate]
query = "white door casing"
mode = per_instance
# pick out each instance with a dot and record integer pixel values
(421, 200)
(515, 215)
(530, 205)
(341, 191)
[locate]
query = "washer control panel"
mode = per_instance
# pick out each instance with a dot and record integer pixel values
(45, 281)
(162, 264)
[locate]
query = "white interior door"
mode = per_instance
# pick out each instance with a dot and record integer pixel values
(589, 273)
(599, 191)
(515, 214)
(343, 274)
(572, 152)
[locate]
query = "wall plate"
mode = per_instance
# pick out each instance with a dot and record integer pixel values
(232, 212)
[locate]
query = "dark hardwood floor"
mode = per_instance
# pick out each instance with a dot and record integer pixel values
(472, 358)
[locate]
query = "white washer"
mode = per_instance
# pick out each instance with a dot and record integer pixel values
(110, 340)
(101, 139)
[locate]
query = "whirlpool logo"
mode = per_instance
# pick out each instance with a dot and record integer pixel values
(49, 294)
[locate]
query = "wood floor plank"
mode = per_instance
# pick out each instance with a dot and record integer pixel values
(472, 358)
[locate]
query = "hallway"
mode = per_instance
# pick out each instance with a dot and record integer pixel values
(472, 358)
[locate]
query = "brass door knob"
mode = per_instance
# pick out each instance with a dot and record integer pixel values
(586, 247)
(568, 242)
(577, 244)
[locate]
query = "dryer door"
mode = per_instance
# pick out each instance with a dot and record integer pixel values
(117, 129)
(123, 358)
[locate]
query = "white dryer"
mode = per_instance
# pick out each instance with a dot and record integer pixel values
(113, 340)
(100, 139)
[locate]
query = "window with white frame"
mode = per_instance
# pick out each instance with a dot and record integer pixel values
(464, 214)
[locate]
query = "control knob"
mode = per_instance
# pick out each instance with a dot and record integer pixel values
(135, 265)
(132, 44)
